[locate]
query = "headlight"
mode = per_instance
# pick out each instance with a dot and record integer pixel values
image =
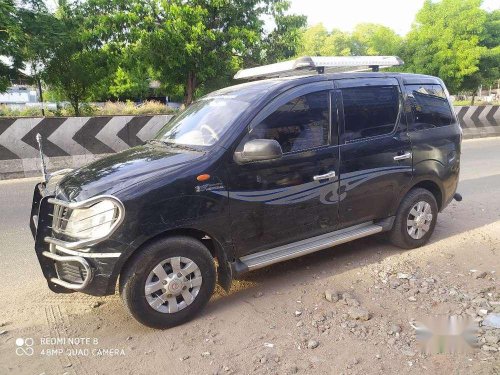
(93, 222)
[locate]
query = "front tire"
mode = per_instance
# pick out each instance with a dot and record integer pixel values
(415, 220)
(169, 282)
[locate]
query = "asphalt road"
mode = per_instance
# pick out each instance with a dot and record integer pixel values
(479, 182)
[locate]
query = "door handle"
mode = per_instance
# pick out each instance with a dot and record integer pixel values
(324, 176)
(406, 155)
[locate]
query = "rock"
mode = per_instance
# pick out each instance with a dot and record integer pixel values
(258, 294)
(319, 318)
(394, 283)
(488, 348)
(331, 296)
(480, 275)
(97, 304)
(359, 313)
(300, 323)
(492, 320)
(226, 368)
(298, 313)
(412, 299)
(312, 344)
(263, 360)
(185, 357)
(404, 276)
(491, 338)
(352, 362)
(129, 338)
(268, 345)
(349, 300)
(394, 329)
(408, 352)
(206, 354)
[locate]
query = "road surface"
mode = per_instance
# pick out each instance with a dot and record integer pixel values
(256, 327)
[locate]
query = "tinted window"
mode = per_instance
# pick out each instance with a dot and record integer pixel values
(369, 111)
(429, 105)
(302, 123)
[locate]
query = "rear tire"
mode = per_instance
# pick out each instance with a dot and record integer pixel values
(169, 282)
(415, 219)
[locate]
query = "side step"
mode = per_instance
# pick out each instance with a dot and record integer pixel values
(310, 245)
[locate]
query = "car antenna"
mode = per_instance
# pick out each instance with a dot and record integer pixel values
(42, 158)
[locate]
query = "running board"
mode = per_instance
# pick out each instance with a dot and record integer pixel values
(310, 245)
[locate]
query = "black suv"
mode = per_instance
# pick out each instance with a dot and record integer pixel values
(248, 176)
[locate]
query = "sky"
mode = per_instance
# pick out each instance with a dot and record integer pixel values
(346, 14)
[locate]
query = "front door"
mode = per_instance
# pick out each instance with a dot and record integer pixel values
(280, 201)
(375, 151)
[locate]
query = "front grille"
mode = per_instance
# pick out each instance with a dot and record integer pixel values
(60, 218)
(72, 272)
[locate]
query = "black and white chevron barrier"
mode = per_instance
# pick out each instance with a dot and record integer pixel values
(70, 142)
(479, 121)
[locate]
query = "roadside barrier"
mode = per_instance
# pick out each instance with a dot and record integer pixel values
(479, 121)
(70, 142)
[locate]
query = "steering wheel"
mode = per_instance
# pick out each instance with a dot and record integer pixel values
(213, 134)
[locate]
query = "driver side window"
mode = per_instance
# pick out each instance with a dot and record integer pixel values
(301, 124)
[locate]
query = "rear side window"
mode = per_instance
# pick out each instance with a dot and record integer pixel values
(429, 105)
(369, 111)
(301, 124)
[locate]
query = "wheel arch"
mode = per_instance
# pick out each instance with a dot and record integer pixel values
(214, 246)
(430, 184)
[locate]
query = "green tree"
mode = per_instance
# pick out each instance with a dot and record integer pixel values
(373, 39)
(313, 40)
(78, 62)
(198, 42)
(282, 42)
(9, 31)
(26, 31)
(337, 43)
(445, 42)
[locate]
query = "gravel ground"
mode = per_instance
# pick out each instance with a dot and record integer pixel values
(345, 310)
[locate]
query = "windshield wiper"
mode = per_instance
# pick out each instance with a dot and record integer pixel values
(172, 145)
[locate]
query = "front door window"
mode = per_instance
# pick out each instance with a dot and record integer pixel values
(301, 124)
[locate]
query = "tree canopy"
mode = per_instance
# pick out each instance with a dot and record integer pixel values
(135, 49)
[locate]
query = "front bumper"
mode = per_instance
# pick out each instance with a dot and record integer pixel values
(67, 268)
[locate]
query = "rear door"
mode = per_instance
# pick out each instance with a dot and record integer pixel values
(375, 150)
(280, 201)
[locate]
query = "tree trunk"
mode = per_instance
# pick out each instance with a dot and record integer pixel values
(75, 103)
(472, 100)
(190, 87)
(39, 82)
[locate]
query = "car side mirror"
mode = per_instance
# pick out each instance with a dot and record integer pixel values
(258, 150)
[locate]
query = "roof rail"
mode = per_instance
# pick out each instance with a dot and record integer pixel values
(320, 64)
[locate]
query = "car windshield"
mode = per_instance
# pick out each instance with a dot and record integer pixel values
(203, 123)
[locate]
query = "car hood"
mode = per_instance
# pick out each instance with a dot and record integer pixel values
(114, 173)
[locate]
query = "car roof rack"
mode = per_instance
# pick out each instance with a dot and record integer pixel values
(320, 64)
